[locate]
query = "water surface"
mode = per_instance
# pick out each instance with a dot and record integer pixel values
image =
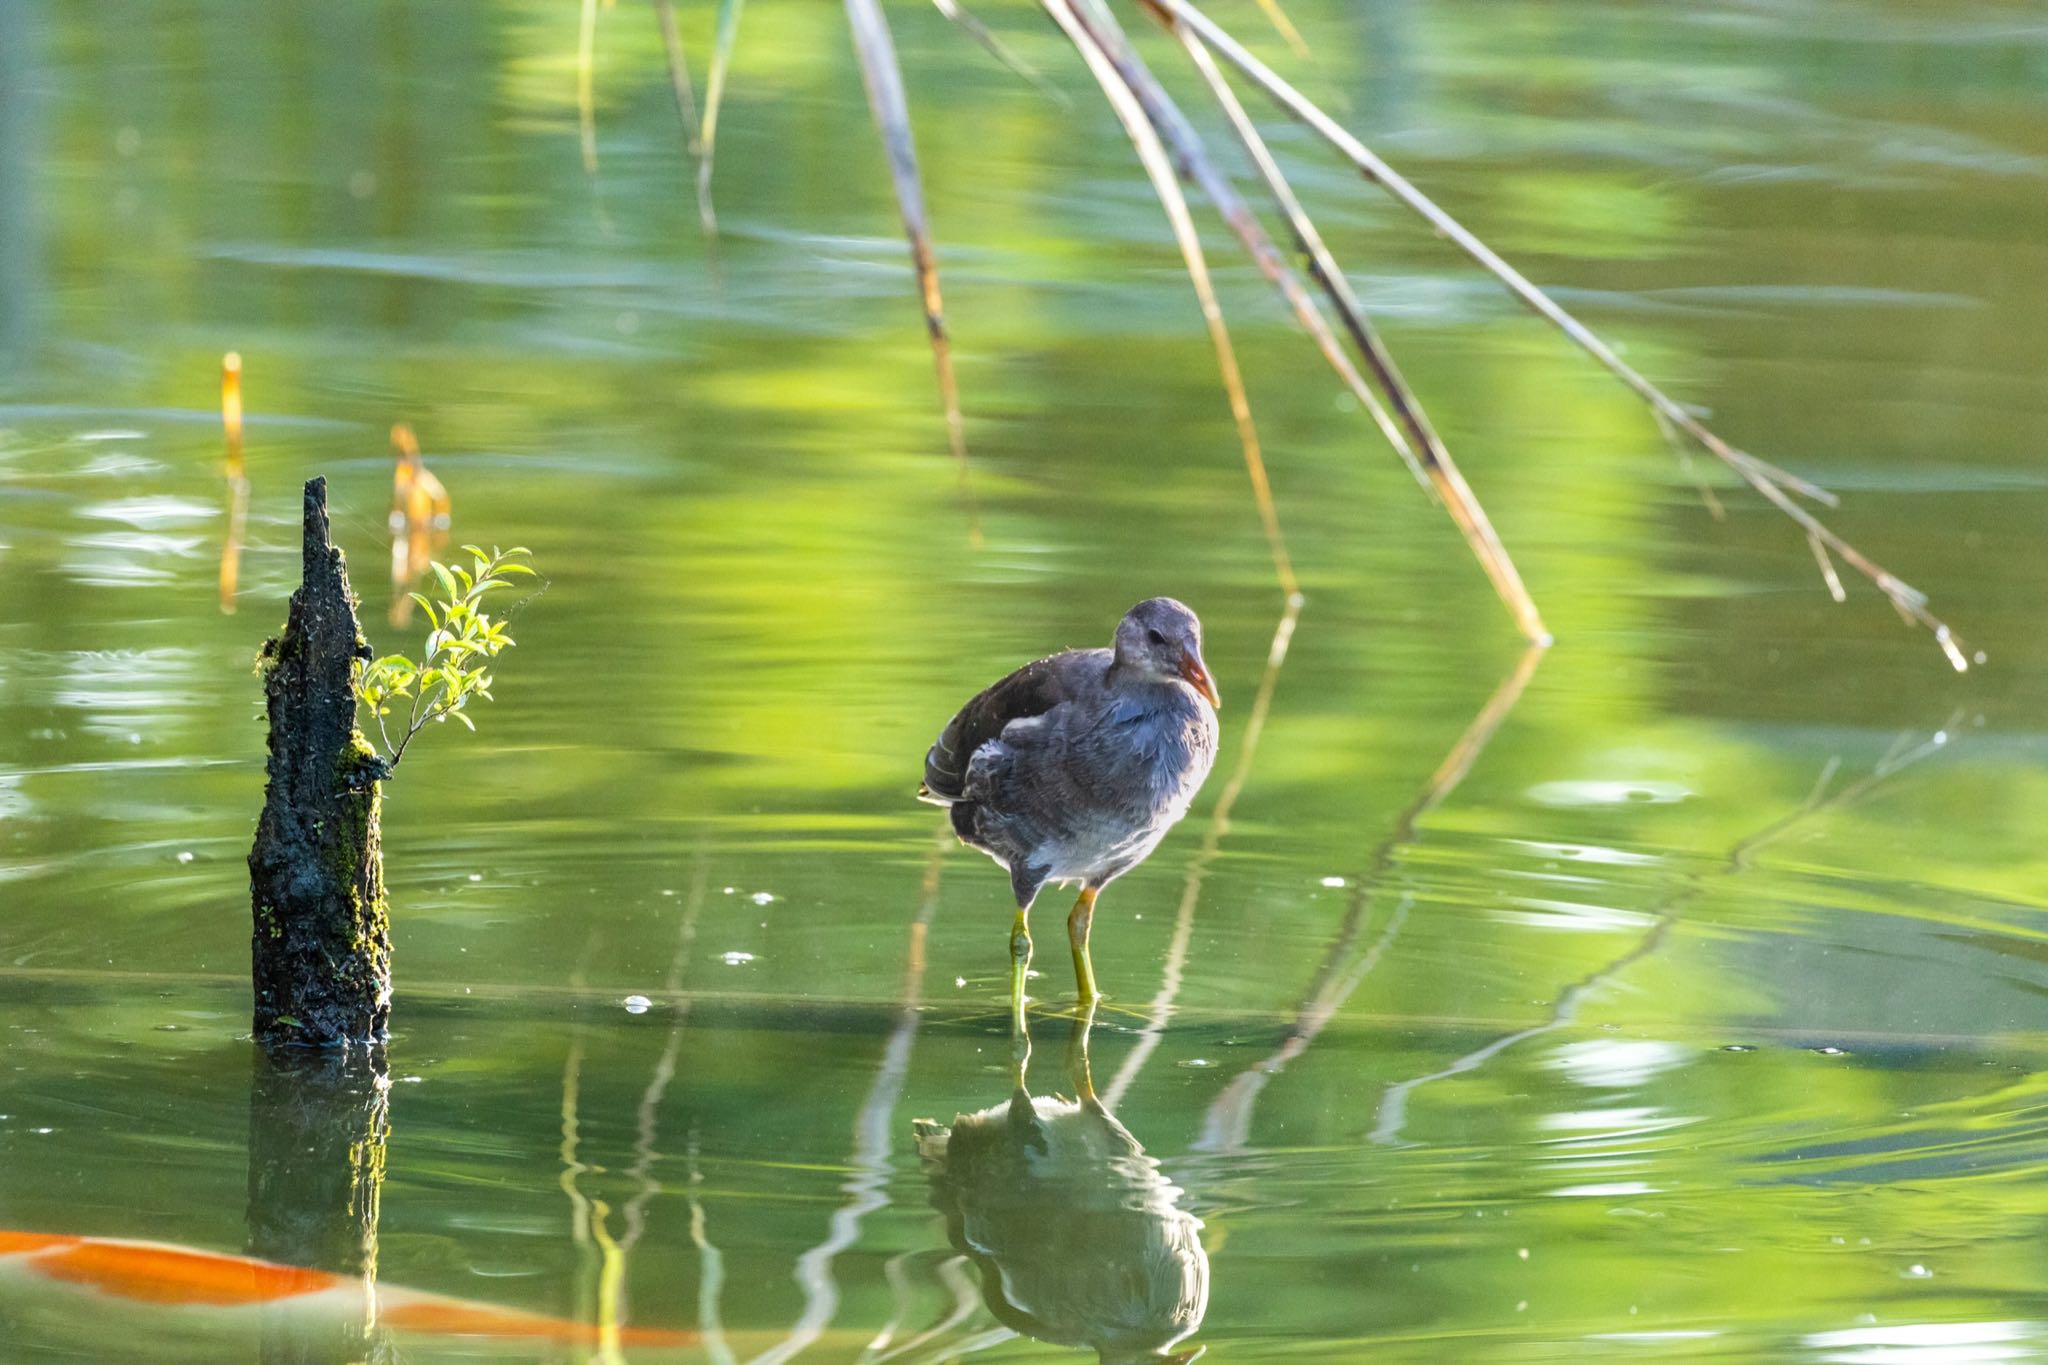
(1679, 996)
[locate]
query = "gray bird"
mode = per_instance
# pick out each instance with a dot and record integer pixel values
(1073, 768)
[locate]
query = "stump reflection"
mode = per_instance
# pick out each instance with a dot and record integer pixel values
(318, 1125)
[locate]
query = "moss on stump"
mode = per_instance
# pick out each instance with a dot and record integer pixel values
(321, 945)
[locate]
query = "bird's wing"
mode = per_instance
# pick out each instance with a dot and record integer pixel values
(1031, 691)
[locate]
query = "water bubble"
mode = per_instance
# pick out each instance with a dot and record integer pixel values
(1829, 1051)
(1738, 1047)
(729, 890)
(637, 1004)
(762, 897)
(185, 855)
(476, 876)
(1196, 1063)
(959, 982)
(1917, 1272)
(736, 958)
(1334, 883)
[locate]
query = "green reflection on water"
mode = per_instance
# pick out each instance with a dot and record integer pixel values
(1419, 1027)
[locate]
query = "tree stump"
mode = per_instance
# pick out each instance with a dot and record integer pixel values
(321, 959)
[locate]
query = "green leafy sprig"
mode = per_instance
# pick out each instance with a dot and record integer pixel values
(456, 665)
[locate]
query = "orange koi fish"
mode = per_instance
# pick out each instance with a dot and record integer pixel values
(158, 1273)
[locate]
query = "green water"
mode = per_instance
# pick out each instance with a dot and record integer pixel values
(1684, 999)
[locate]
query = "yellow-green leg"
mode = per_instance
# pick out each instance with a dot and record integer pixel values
(1077, 934)
(1020, 963)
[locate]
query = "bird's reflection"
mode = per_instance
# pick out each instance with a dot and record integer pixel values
(1078, 1237)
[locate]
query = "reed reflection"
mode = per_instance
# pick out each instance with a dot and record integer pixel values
(1078, 1237)
(420, 517)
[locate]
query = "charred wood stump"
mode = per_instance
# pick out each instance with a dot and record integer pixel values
(321, 959)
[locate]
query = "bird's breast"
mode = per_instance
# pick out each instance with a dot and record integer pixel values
(1170, 752)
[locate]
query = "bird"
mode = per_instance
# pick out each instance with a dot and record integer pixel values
(1074, 767)
(1078, 1235)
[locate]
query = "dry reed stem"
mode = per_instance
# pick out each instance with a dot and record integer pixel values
(1284, 26)
(1438, 468)
(678, 73)
(714, 97)
(882, 78)
(419, 518)
(1152, 154)
(1775, 485)
(237, 478)
(997, 48)
(1335, 286)
(1194, 163)
(586, 85)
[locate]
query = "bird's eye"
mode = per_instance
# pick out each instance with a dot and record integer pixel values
(1155, 637)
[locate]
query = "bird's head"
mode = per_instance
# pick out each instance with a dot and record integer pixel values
(1161, 639)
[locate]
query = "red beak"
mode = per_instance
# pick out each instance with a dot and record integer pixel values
(1198, 677)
